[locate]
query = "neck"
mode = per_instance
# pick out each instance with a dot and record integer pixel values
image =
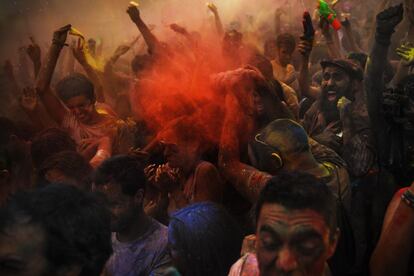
(136, 229)
(307, 163)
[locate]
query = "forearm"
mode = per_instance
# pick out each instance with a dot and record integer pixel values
(96, 80)
(219, 24)
(150, 39)
(46, 72)
(348, 33)
(374, 83)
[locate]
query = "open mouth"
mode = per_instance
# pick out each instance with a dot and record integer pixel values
(331, 95)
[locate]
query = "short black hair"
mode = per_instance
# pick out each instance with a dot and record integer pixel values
(285, 135)
(76, 225)
(298, 191)
(124, 170)
(74, 85)
(208, 238)
(287, 40)
(49, 142)
(71, 164)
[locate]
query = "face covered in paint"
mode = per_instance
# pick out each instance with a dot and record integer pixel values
(292, 242)
(82, 108)
(22, 250)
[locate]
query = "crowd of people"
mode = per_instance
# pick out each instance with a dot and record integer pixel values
(282, 150)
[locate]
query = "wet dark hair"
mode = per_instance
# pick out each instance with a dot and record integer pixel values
(76, 225)
(71, 164)
(124, 170)
(49, 142)
(141, 62)
(75, 85)
(207, 237)
(286, 40)
(299, 191)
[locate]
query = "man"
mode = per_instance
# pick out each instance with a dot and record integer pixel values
(139, 242)
(296, 229)
(339, 118)
(57, 230)
(283, 70)
(92, 125)
(283, 145)
(391, 114)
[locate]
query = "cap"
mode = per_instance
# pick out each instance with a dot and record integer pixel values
(349, 66)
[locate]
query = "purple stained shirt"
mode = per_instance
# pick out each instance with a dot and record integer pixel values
(147, 255)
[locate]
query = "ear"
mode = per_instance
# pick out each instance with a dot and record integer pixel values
(333, 242)
(139, 197)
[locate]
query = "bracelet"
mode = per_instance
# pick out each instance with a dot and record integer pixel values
(408, 198)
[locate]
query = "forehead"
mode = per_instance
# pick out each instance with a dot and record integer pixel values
(333, 69)
(110, 189)
(77, 100)
(280, 218)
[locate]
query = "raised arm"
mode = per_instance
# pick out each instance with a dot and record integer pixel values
(247, 180)
(305, 48)
(54, 107)
(152, 42)
(217, 20)
(330, 39)
(34, 52)
(80, 53)
(387, 20)
(349, 35)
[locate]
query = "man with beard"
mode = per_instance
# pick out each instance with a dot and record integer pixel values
(339, 118)
(139, 242)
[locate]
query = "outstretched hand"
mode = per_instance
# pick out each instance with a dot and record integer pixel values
(133, 12)
(389, 18)
(78, 51)
(306, 41)
(178, 29)
(60, 35)
(212, 8)
(308, 30)
(406, 52)
(33, 50)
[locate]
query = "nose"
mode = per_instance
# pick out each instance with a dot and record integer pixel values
(330, 82)
(286, 260)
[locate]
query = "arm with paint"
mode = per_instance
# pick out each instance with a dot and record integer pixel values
(395, 247)
(247, 180)
(81, 55)
(53, 105)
